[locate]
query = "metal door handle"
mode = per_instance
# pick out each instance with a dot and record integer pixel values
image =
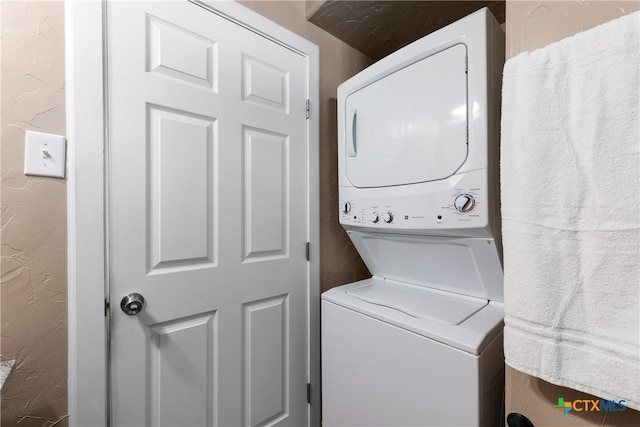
(352, 147)
(132, 304)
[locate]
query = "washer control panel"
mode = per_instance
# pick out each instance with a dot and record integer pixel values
(461, 207)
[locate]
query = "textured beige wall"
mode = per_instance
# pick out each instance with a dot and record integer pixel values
(535, 24)
(339, 262)
(532, 25)
(33, 252)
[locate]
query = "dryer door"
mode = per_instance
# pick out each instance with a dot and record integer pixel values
(411, 125)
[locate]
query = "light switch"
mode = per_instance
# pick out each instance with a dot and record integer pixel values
(44, 154)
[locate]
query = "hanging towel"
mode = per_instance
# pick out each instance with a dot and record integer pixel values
(570, 180)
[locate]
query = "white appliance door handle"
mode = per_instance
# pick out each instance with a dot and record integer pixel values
(351, 133)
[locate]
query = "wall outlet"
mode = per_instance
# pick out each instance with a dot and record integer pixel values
(44, 154)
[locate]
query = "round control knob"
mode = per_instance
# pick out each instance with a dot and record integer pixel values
(464, 202)
(387, 217)
(374, 218)
(346, 207)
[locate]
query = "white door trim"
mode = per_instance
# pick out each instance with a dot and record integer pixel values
(85, 26)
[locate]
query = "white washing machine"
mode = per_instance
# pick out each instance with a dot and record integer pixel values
(420, 343)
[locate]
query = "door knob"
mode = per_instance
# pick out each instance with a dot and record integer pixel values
(132, 304)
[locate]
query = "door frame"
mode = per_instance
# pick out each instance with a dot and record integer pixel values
(87, 208)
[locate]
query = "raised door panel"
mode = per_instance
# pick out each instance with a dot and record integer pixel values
(266, 361)
(183, 367)
(178, 53)
(182, 156)
(265, 84)
(265, 194)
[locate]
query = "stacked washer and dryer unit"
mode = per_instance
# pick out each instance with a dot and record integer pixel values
(420, 343)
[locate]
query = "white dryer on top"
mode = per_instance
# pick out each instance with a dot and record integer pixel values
(418, 163)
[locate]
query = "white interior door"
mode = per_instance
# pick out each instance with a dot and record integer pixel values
(208, 220)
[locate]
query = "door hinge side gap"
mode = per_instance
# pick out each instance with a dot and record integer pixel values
(308, 251)
(308, 109)
(106, 307)
(309, 393)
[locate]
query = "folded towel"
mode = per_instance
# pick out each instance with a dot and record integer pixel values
(570, 176)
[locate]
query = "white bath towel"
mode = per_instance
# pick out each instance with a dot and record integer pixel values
(570, 177)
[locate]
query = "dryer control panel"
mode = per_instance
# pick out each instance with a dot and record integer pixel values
(461, 205)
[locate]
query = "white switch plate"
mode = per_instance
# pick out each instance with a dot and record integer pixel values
(44, 154)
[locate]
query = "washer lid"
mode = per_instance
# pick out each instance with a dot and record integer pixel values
(463, 266)
(471, 335)
(419, 302)
(410, 126)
